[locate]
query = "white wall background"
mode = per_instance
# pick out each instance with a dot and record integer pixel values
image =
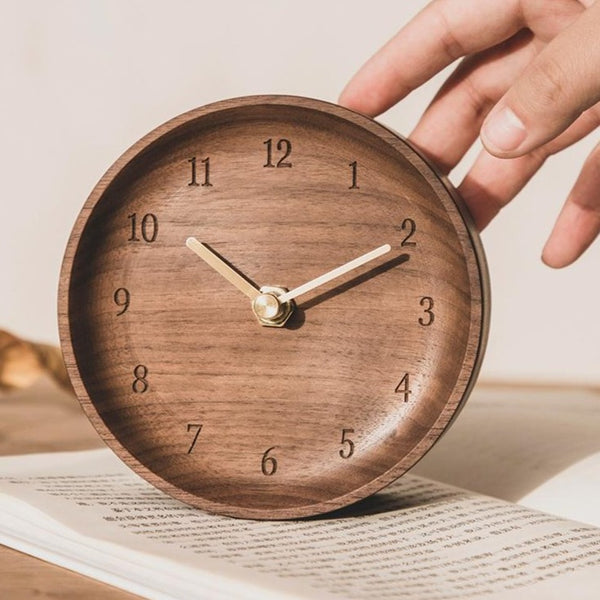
(80, 81)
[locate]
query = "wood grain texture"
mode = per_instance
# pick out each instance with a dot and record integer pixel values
(296, 420)
(23, 577)
(45, 418)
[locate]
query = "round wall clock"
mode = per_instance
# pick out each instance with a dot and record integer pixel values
(271, 307)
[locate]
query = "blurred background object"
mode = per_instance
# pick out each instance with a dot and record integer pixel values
(38, 409)
(22, 363)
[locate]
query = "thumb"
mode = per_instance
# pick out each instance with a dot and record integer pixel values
(558, 85)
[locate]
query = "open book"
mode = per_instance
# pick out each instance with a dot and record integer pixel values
(419, 539)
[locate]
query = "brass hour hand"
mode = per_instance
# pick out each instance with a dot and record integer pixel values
(222, 268)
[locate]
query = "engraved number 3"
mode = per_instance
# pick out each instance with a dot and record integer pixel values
(427, 303)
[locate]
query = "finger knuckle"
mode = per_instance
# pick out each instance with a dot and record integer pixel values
(480, 98)
(451, 45)
(592, 115)
(538, 156)
(584, 193)
(592, 163)
(549, 80)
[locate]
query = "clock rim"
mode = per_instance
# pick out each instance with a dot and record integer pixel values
(456, 400)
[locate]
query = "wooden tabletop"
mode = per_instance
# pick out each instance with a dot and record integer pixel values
(44, 418)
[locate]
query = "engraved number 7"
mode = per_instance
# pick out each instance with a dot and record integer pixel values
(198, 427)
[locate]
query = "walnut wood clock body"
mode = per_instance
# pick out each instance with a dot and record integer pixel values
(174, 359)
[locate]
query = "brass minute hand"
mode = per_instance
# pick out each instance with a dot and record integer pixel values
(222, 268)
(349, 266)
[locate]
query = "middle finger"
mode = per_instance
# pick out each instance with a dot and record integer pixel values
(452, 121)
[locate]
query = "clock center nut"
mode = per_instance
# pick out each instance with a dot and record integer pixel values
(269, 311)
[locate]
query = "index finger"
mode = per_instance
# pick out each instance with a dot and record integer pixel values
(442, 32)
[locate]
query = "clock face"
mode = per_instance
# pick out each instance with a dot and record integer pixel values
(200, 354)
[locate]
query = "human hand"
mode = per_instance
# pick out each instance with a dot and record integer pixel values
(529, 85)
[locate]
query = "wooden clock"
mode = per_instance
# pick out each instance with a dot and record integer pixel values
(271, 307)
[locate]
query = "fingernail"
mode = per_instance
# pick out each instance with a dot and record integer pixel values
(504, 130)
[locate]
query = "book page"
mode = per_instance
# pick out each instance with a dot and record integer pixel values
(534, 446)
(574, 493)
(417, 540)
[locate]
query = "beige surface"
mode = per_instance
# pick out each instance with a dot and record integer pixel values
(45, 419)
